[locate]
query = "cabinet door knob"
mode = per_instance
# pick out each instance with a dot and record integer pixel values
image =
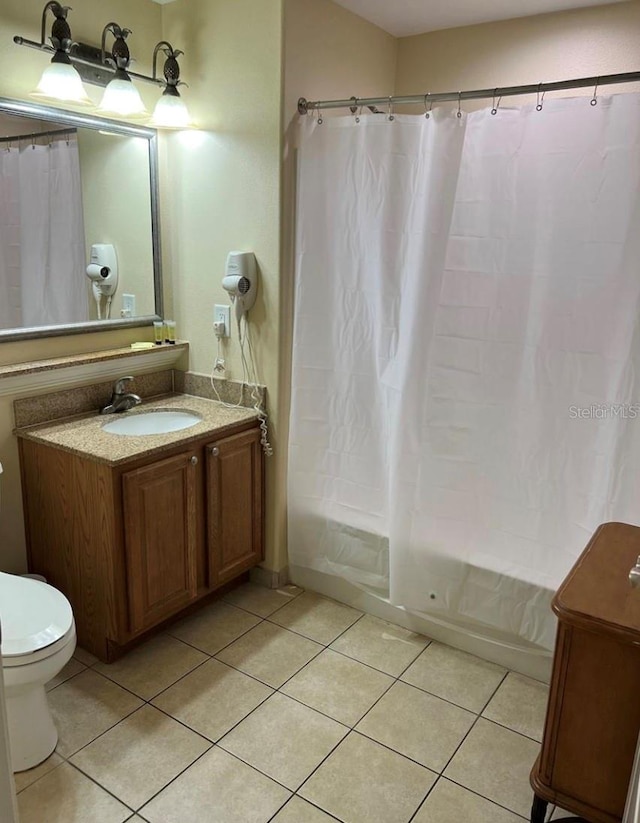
(194, 460)
(215, 451)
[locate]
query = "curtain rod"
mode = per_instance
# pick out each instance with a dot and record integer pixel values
(52, 133)
(354, 103)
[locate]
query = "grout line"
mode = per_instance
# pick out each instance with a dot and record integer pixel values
(515, 731)
(483, 796)
(304, 800)
(424, 799)
(395, 751)
(208, 739)
(473, 725)
(173, 779)
(104, 788)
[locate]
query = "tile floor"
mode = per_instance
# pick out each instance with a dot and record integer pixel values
(284, 706)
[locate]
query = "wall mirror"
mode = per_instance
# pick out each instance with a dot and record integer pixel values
(68, 182)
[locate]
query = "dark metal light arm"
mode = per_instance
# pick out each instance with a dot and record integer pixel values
(171, 69)
(54, 6)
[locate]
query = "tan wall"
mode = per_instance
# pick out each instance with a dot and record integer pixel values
(20, 70)
(581, 43)
(224, 190)
(328, 53)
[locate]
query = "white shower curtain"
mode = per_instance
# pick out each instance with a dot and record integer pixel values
(42, 256)
(10, 311)
(465, 343)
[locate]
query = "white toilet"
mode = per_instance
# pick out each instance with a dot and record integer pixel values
(38, 639)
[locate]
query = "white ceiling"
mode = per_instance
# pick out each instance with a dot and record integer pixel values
(405, 17)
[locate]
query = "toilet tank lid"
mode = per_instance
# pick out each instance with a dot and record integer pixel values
(33, 615)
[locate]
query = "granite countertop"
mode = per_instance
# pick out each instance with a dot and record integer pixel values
(84, 436)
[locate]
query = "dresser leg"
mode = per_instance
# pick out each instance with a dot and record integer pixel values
(538, 810)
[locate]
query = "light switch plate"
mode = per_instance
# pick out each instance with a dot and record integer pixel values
(223, 314)
(128, 305)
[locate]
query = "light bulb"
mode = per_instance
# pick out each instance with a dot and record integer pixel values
(123, 98)
(171, 112)
(60, 81)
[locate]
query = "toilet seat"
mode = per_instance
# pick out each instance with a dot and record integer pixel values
(37, 620)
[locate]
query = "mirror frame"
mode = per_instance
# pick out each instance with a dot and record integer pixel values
(68, 118)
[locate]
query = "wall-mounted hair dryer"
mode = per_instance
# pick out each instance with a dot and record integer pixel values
(241, 280)
(103, 273)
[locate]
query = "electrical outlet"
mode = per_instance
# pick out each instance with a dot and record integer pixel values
(222, 314)
(128, 305)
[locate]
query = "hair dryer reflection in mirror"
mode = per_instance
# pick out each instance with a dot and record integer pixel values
(103, 273)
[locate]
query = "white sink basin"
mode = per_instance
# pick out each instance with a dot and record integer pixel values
(152, 422)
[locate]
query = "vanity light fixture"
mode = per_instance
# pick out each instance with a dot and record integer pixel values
(72, 63)
(120, 96)
(60, 80)
(171, 111)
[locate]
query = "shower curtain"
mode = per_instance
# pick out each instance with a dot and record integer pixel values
(465, 408)
(42, 244)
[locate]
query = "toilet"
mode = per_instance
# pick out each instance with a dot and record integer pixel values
(38, 640)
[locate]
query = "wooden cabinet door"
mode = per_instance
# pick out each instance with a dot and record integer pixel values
(160, 539)
(235, 507)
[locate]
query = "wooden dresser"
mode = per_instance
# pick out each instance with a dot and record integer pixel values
(593, 715)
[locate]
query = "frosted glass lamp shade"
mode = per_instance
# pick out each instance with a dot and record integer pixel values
(171, 112)
(60, 81)
(121, 97)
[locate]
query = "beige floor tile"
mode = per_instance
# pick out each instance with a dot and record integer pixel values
(67, 796)
(24, 779)
(213, 698)
(259, 599)
(381, 645)
(85, 657)
(495, 762)
(453, 675)
(316, 617)
(72, 668)
(269, 653)
(139, 756)
(560, 814)
(153, 666)
(338, 686)
(86, 706)
(362, 781)
(521, 704)
(418, 725)
(220, 787)
(450, 803)
(214, 627)
(284, 739)
(298, 810)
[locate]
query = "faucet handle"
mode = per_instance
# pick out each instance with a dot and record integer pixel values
(119, 385)
(634, 574)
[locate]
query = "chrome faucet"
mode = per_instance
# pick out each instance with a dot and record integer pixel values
(121, 401)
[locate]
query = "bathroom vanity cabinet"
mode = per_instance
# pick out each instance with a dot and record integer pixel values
(593, 714)
(135, 544)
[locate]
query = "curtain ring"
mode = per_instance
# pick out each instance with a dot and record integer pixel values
(390, 116)
(540, 100)
(427, 111)
(459, 114)
(320, 120)
(594, 99)
(494, 109)
(359, 115)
